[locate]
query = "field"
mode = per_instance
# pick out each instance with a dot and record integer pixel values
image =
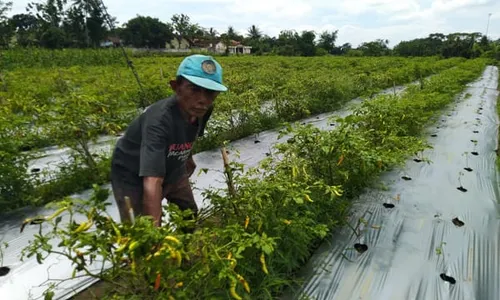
(70, 106)
(265, 224)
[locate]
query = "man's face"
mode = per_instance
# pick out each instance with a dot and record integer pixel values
(193, 99)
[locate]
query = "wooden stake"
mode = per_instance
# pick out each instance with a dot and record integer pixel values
(130, 209)
(228, 172)
(229, 179)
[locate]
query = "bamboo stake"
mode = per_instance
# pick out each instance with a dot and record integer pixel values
(130, 209)
(228, 172)
(229, 179)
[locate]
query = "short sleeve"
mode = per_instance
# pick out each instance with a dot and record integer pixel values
(153, 148)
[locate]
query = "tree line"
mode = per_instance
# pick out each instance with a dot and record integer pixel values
(57, 24)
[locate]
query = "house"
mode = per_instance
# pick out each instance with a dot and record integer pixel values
(209, 45)
(234, 48)
(174, 44)
(206, 44)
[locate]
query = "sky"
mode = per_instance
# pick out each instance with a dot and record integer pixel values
(357, 21)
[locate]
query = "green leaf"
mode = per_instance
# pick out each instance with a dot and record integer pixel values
(49, 295)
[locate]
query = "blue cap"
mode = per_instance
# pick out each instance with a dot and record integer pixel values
(202, 70)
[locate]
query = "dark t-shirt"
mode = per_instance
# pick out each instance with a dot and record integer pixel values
(157, 143)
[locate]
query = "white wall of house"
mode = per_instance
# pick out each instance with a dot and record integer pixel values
(220, 47)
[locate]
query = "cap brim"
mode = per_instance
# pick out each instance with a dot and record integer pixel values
(206, 83)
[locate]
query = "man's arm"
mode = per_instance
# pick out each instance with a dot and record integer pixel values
(152, 166)
(190, 165)
(204, 120)
(153, 194)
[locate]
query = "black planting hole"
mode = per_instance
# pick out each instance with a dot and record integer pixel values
(479, 113)
(474, 153)
(474, 141)
(4, 271)
(443, 120)
(457, 222)
(462, 189)
(388, 205)
(468, 169)
(447, 278)
(303, 123)
(317, 118)
(35, 170)
(479, 119)
(449, 115)
(438, 127)
(417, 160)
(480, 108)
(332, 124)
(406, 177)
(268, 154)
(256, 141)
(476, 131)
(434, 135)
(361, 248)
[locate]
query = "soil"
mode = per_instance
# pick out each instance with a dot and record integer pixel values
(457, 222)
(448, 278)
(361, 248)
(4, 271)
(96, 291)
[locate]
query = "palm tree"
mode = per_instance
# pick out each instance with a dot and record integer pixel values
(254, 33)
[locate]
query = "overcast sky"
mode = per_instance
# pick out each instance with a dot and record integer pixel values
(357, 21)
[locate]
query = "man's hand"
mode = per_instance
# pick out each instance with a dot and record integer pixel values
(190, 166)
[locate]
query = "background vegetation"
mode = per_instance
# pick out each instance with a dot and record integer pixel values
(58, 24)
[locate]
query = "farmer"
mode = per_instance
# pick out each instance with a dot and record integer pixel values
(153, 160)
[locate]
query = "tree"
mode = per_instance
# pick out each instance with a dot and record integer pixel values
(147, 32)
(26, 27)
(53, 38)
(233, 35)
(327, 40)
(4, 8)
(184, 29)
(288, 43)
(6, 30)
(89, 16)
(306, 43)
(254, 33)
(375, 48)
(49, 17)
(51, 13)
